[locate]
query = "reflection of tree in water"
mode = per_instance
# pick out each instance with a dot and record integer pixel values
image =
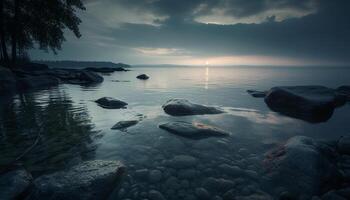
(67, 134)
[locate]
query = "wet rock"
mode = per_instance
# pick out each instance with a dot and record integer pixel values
(155, 195)
(88, 180)
(332, 195)
(180, 107)
(193, 130)
(142, 77)
(124, 124)
(155, 176)
(14, 183)
(111, 103)
(172, 183)
(141, 173)
(188, 174)
(345, 90)
(35, 82)
(7, 81)
(309, 103)
(257, 94)
(182, 161)
(343, 145)
(299, 167)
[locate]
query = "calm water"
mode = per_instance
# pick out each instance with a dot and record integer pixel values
(74, 128)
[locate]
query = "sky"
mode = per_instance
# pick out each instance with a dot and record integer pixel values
(211, 32)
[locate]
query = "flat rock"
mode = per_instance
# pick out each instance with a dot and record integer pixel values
(89, 180)
(257, 94)
(299, 167)
(193, 130)
(14, 183)
(142, 77)
(111, 103)
(309, 103)
(124, 124)
(180, 107)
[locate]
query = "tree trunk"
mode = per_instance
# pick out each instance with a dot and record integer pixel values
(5, 56)
(14, 32)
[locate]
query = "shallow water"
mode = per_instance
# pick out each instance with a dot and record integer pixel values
(73, 128)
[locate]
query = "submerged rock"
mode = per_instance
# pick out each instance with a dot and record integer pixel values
(257, 94)
(89, 180)
(299, 167)
(343, 145)
(193, 130)
(309, 103)
(124, 124)
(142, 77)
(111, 103)
(7, 81)
(14, 183)
(180, 107)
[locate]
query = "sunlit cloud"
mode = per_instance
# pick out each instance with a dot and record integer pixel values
(161, 51)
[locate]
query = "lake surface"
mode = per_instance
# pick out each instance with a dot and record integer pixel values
(74, 128)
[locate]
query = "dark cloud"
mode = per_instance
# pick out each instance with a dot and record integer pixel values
(298, 29)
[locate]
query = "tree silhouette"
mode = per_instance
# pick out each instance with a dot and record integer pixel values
(27, 23)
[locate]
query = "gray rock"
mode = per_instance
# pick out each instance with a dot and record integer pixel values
(343, 145)
(14, 183)
(90, 77)
(299, 167)
(155, 176)
(193, 130)
(124, 124)
(187, 174)
(180, 107)
(141, 173)
(111, 103)
(155, 195)
(257, 94)
(7, 81)
(309, 103)
(142, 77)
(183, 161)
(86, 181)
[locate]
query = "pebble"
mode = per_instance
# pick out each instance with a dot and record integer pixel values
(231, 170)
(187, 174)
(155, 176)
(155, 195)
(183, 161)
(141, 173)
(202, 193)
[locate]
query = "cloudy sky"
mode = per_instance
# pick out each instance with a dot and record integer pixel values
(215, 32)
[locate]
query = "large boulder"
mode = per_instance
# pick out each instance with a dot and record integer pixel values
(35, 82)
(7, 81)
(90, 180)
(300, 167)
(111, 103)
(193, 130)
(14, 184)
(180, 107)
(256, 93)
(89, 77)
(309, 103)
